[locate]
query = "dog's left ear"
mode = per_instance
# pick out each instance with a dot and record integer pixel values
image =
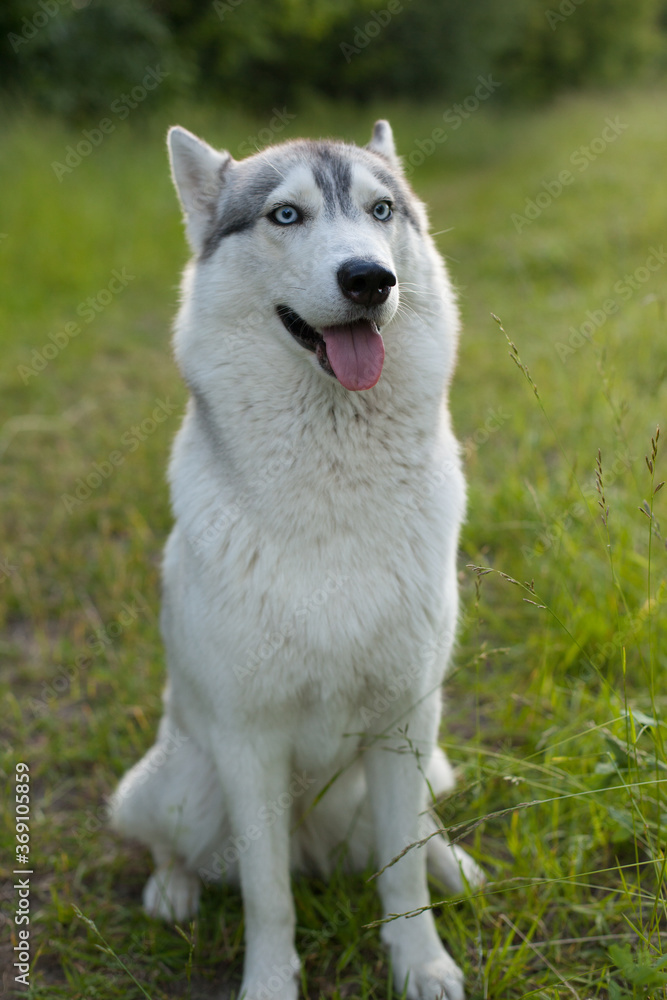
(198, 172)
(382, 142)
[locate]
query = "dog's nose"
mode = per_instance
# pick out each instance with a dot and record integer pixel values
(365, 282)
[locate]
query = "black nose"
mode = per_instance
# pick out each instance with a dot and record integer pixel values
(365, 281)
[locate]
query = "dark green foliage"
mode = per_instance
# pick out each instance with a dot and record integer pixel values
(641, 971)
(80, 60)
(76, 59)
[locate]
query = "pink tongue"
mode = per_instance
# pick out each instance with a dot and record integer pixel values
(356, 353)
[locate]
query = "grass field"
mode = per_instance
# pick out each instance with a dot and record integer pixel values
(557, 698)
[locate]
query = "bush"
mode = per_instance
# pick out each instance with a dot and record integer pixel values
(75, 58)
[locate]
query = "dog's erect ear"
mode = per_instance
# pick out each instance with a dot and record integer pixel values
(382, 142)
(198, 172)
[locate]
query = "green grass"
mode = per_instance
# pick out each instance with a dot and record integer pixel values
(557, 696)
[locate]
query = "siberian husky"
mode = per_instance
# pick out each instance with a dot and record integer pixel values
(310, 589)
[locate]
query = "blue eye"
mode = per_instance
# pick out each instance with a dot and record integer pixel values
(286, 215)
(382, 210)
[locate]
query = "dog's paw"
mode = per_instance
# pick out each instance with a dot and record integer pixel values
(172, 894)
(439, 979)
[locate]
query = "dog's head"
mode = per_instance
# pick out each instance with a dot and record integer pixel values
(315, 232)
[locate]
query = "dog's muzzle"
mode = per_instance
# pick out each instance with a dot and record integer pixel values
(353, 352)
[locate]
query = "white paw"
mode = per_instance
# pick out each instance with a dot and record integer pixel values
(172, 894)
(439, 979)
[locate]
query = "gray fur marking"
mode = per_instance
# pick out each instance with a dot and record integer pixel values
(331, 166)
(333, 176)
(242, 205)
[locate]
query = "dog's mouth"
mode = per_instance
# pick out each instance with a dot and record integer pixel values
(353, 352)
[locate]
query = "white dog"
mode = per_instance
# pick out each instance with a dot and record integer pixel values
(310, 593)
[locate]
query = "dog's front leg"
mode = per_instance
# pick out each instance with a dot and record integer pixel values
(398, 795)
(255, 780)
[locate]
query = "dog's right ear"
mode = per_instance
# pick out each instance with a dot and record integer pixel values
(198, 172)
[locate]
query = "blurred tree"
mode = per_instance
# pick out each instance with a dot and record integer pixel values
(75, 56)
(572, 43)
